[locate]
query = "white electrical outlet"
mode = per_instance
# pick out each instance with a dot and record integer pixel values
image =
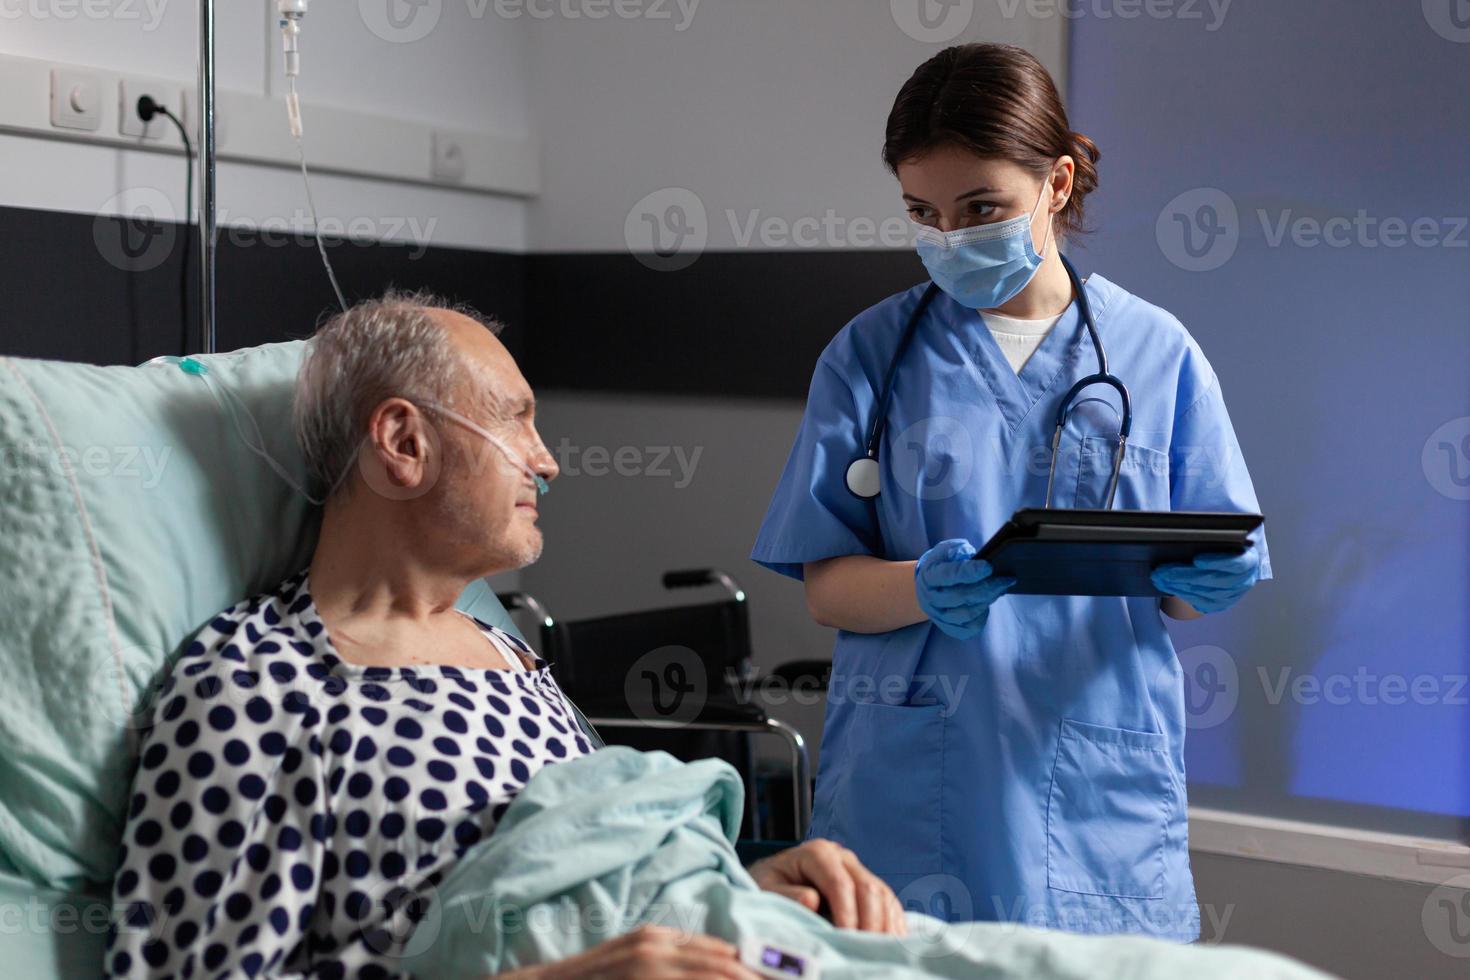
(130, 90)
(76, 100)
(448, 158)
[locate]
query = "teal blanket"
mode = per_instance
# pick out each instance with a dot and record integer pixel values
(595, 847)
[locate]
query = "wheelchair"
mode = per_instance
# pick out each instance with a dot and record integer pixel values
(678, 679)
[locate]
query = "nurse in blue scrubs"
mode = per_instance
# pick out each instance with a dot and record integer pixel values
(994, 756)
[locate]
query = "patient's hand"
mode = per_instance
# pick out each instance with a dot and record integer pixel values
(820, 869)
(646, 953)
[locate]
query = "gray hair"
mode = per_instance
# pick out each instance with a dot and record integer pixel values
(380, 348)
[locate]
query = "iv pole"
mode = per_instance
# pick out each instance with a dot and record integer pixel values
(206, 177)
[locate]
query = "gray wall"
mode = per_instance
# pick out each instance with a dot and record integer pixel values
(768, 106)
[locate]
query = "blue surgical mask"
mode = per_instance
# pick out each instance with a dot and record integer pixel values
(985, 266)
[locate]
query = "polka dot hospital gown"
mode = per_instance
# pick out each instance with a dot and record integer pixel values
(292, 811)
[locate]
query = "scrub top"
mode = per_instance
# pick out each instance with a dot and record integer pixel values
(1034, 773)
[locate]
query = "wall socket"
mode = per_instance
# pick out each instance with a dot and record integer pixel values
(130, 89)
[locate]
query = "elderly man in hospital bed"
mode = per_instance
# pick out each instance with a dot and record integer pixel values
(352, 732)
(341, 777)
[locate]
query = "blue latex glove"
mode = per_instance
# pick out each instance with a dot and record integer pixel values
(954, 591)
(1214, 582)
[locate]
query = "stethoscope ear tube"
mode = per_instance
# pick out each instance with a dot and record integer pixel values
(863, 474)
(1102, 377)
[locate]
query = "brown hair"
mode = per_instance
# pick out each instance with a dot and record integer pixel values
(994, 100)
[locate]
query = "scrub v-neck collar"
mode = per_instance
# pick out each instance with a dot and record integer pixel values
(1016, 394)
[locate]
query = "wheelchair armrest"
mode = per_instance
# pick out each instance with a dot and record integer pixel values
(751, 851)
(715, 711)
(689, 578)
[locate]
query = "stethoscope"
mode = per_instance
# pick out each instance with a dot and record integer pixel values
(863, 474)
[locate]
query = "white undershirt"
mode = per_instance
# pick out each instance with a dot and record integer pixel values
(1018, 339)
(513, 659)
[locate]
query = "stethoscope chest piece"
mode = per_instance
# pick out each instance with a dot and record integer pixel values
(863, 477)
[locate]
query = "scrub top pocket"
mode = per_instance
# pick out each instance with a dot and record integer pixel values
(1113, 792)
(887, 806)
(1143, 479)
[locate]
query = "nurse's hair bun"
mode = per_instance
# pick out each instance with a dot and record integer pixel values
(1084, 154)
(995, 100)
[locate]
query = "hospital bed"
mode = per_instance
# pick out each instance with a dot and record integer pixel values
(132, 509)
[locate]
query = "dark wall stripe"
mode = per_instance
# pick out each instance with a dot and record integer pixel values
(733, 324)
(741, 324)
(106, 290)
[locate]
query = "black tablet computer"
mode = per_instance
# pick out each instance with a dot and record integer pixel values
(1107, 552)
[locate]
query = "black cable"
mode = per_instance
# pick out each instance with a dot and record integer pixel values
(147, 109)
